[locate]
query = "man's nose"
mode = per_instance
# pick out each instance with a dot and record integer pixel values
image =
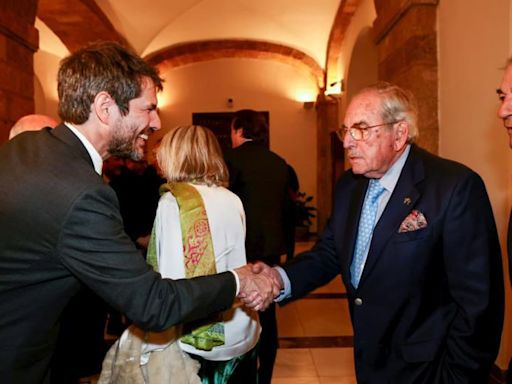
(348, 141)
(155, 122)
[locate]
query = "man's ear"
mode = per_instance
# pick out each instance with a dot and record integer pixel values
(239, 133)
(102, 106)
(401, 135)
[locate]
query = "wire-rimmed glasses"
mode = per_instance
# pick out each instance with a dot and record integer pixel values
(360, 131)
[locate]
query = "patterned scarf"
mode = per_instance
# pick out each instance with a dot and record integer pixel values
(199, 259)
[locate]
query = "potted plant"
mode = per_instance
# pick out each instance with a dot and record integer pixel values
(304, 212)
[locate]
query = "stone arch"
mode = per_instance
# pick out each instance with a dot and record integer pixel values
(364, 64)
(406, 37)
(18, 42)
(328, 111)
(198, 51)
(342, 20)
(78, 22)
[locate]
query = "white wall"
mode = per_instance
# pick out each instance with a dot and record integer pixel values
(474, 40)
(255, 84)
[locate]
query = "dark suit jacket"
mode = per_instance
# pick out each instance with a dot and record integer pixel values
(60, 227)
(259, 177)
(429, 306)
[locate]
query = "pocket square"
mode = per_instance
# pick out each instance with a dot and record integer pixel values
(414, 221)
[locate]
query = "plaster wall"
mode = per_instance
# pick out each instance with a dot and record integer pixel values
(474, 43)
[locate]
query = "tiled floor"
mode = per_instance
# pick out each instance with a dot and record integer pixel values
(321, 322)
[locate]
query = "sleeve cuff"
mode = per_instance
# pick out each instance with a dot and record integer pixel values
(237, 281)
(286, 292)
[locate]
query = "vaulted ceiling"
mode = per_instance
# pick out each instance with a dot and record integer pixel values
(307, 33)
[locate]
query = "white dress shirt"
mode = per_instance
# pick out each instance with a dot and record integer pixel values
(97, 161)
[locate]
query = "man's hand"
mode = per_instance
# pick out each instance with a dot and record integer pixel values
(143, 241)
(260, 267)
(257, 290)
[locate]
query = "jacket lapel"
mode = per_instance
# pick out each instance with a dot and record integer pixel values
(402, 201)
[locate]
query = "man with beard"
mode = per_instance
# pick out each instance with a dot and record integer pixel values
(60, 227)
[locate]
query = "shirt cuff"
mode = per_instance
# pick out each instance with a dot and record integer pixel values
(237, 281)
(286, 292)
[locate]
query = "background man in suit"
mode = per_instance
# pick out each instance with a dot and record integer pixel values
(505, 113)
(260, 179)
(60, 226)
(419, 257)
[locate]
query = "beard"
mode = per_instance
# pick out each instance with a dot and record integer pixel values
(123, 141)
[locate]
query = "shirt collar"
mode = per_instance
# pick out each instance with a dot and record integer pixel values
(390, 178)
(97, 161)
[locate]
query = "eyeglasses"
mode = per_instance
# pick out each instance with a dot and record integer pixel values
(360, 131)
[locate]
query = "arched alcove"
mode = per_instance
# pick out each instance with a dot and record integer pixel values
(364, 64)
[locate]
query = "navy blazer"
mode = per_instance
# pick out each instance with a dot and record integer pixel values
(60, 227)
(429, 305)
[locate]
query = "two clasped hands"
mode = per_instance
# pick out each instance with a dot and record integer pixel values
(259, 285)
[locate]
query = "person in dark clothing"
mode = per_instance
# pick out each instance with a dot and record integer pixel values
(260, 178)
(505, 113)
(137, 188)
(290, 217)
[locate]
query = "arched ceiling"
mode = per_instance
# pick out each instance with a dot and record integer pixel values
(301, 24)
(304, 32)
(186, 53)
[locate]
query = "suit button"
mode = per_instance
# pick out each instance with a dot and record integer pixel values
(358, 301)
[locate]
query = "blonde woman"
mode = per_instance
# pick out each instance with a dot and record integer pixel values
(200, 229)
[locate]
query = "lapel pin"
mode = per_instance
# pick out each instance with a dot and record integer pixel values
(407, 201)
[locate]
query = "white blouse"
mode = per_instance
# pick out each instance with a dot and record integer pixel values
(226, 218)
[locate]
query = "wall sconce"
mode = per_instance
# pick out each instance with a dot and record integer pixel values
(306, 97)
(335, 88)
(308, 104)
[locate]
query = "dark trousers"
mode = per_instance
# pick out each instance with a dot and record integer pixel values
(268, 344)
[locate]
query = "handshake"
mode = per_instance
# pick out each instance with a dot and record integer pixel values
(259, 285)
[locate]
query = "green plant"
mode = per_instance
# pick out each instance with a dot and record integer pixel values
(303, 210)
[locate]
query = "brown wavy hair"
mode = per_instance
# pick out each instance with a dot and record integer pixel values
(103, 66)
